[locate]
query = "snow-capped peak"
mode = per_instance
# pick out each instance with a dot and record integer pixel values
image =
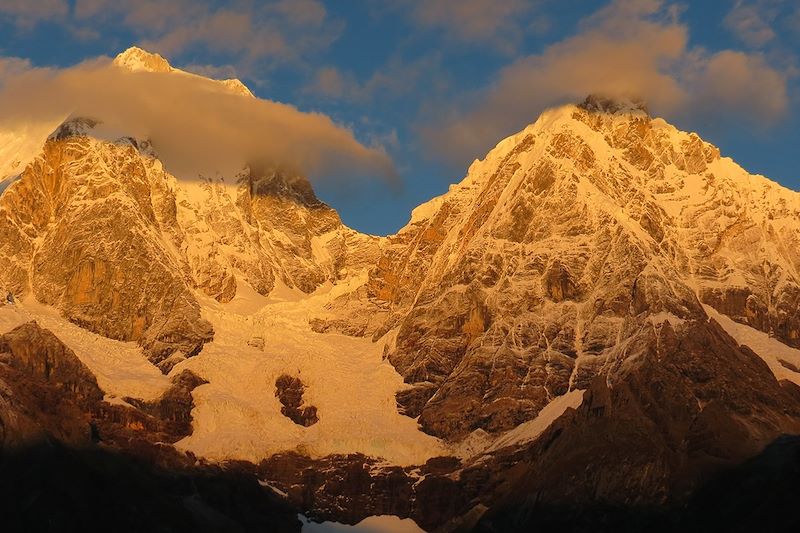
(135, 59)
(236, 85)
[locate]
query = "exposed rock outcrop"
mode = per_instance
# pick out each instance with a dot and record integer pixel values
(167, 419)
(666, 426)
(289, 390)
(48, 391)
(634, 454)
(98, 228)
(38, 353)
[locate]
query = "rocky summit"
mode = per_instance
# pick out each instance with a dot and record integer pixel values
(596, 329)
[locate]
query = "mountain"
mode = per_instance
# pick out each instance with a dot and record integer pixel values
(585, 231)
(588, 331)
(96, 227)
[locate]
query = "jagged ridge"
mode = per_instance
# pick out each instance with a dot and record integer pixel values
(532, 275)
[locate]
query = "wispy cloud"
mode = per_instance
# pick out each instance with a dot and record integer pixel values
(750, 23)
(26, 13)
(216, 72)
(13, 66)
(253, 36)
(479, 22)
(396, 78)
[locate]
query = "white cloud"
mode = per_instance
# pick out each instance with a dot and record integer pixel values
(740, 83)
(396, 78)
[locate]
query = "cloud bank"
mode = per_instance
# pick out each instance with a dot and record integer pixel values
(195, 124)
(631, 48)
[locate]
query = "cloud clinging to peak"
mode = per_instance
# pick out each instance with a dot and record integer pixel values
(195, 124)
(630, 48)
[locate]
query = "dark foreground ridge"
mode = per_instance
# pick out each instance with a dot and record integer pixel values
(758, 495)
(68, 462)
(50, 487)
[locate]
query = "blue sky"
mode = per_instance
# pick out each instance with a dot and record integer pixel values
(437, 83)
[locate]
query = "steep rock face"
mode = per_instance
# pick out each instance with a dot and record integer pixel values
(349, 488)
(67, 464)
(167, 419)
(574, 257)
(38, 353)
(681, 405)
(530, 276)
(101, 231)
(691, 405)
(738, 231)
(45, 391)
(84, 235)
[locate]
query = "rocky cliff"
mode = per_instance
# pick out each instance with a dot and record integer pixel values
(566, 244)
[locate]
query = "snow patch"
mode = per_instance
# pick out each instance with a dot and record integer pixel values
(237, 415)
(475, 443)
(135, 59)
(273, 488)
(19, 147)
(371, 524)
(529, 431)
(770, 349)
(427, 210)
(121, 368)
(319, 248)
(664, 316)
